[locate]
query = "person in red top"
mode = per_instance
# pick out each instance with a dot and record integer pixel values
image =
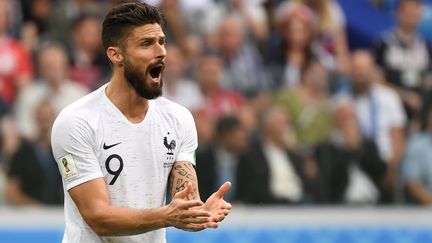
(16, 67)
(218, 102)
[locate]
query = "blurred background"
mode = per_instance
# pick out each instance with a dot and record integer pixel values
(318, 111)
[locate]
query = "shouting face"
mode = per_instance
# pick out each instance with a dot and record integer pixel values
(144, 60)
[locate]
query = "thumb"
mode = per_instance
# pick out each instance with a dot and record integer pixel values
(185, 192)
(223, 189)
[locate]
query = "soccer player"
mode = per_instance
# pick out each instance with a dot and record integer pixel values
(122, 147)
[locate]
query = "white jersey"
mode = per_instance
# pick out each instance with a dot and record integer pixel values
(91, 138)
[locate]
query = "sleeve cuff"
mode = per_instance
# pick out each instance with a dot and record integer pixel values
(77, 182)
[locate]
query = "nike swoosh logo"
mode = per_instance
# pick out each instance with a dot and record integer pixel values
(110, 146)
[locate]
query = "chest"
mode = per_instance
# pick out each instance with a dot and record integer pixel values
(410, 57)
(137, 153)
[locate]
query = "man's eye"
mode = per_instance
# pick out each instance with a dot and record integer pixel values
(162, 42)
(146, 43)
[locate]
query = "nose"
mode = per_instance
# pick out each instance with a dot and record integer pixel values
(160, 51)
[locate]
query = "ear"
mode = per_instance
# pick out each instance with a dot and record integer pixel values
(115, 54)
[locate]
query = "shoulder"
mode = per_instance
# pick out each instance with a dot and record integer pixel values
(388, 37)
(385, 93)
(82, 113)
(284, 96)
(16, 45)
(34, 89)
(384, 39)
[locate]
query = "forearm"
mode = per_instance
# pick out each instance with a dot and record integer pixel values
(397, 147)
(15, 196)
(92, 200)
(182, 174)
(419, 192)
(110, 220)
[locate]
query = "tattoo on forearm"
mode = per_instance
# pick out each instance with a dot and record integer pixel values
(181, 175)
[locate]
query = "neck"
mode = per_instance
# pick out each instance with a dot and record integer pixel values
(361, 90)
(209, 92)
(270, 141)
(296, 58)
(126, 99)
(55, 86)
(406, 32)
(44, 139)
(310, 90)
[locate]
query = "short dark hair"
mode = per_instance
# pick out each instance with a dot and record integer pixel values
(124, 17)
(226, 125)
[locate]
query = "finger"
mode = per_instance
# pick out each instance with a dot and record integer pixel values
(212, 225)
(226, 206)
(223, 189)
(184, 193)
(224, 212)
(218, 218)
(196, 213)
(202, 220)
(190, 204)
(194, 227)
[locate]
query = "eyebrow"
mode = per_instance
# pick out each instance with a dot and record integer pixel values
(152, 37)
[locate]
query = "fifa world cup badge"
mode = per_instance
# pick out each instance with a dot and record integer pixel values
(67, 167)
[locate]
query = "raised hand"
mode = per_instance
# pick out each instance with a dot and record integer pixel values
(185, 214)
(217, 206)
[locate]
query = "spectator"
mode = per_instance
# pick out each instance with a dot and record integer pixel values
(219, 161)
(177, 87)
(65, 12)
(176, 28)
(417, 165)
(53, 85)
(296, 25)
(218, 102)
(35, 22)
(331, 31)
(308, 105)
(33, 178)
(90, 66)
(210, 12)
(250, 14)
(8, 144)
(37, 12)
(351, 169)
(380, 113)
(269, 172)
(16, 69)
(243, 64)
(406, 58)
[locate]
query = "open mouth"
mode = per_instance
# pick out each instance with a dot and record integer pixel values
(156, 70)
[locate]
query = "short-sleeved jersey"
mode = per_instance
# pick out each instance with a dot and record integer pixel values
(91, 138)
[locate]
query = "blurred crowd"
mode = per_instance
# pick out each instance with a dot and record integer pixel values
(284, 108)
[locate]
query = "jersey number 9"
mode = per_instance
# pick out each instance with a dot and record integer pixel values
(117, 172)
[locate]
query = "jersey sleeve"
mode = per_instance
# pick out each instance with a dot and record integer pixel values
(72, 143)
(189, 139)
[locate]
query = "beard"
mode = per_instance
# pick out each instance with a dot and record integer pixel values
(138, 80)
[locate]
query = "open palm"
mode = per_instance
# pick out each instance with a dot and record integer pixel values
(217, 206)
